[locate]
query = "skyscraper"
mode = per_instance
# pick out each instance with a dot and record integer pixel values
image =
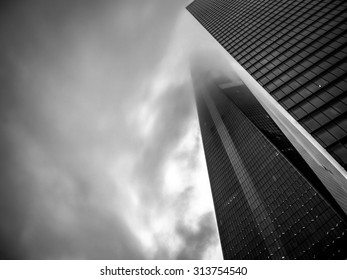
(296, 51)
(276, 186)
(269, 204)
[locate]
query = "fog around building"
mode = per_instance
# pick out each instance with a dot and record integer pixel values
(101, 154)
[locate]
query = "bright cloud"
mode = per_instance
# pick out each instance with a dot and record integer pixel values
(102, 156)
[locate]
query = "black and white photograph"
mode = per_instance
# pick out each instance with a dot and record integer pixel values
(173, 130)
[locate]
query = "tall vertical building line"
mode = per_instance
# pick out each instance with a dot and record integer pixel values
(266, 206)
(297, 52)
(265, 225)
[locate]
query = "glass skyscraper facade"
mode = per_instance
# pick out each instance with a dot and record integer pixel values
(272, 201)
(268, 203)
(297, 50)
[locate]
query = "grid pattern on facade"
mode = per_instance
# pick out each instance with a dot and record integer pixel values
(248, 104)
(302, 222)
(229, 198)
(297, 50)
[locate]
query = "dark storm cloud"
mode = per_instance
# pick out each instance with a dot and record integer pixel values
(71, 74)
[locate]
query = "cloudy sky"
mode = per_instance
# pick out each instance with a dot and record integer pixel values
(100, 149)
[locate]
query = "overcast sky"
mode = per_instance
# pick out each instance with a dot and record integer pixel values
(100, 148)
